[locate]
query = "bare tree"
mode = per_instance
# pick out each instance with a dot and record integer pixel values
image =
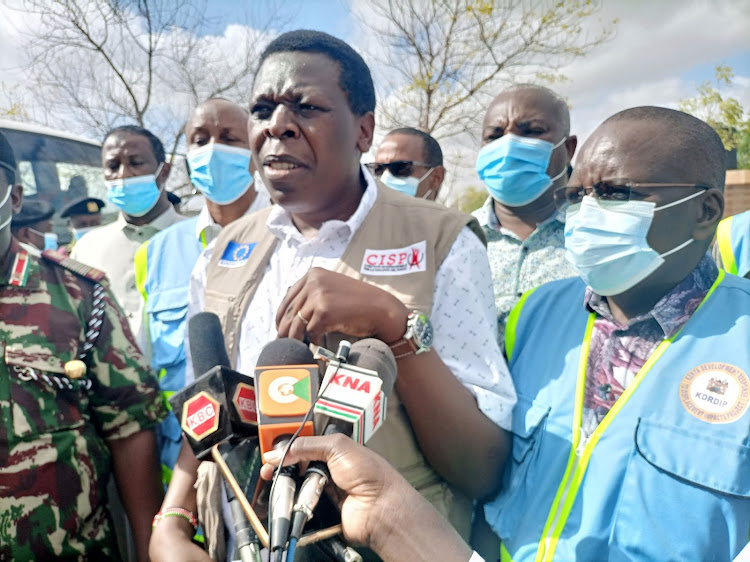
(99, 63)
(443, 60)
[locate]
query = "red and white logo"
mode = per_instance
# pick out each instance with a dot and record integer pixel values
(399, 261)
(200, 416)
(244, 402)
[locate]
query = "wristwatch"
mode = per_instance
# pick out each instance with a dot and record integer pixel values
(418, 336)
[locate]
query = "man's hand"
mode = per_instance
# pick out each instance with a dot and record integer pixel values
(379, 508)
(324, 301)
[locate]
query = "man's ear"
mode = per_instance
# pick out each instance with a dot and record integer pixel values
(161, 179)
(571, 143)
(436, 180)
(710, 212)
(16, 198)
(366, 131)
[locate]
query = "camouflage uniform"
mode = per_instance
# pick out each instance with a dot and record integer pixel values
(54, 458)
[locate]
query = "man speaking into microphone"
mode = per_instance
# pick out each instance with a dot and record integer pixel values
(339, 255)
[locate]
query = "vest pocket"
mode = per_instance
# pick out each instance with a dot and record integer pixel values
(504, 512)
(41, 398)
(685, 495)
(166, 317)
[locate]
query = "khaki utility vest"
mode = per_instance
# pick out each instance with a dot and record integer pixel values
(395, 222)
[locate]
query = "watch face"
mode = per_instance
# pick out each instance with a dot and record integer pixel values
(423, 331)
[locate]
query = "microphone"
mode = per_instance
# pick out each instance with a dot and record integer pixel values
(220, 404)
(354, 397)
(286, 377)
(219, 409)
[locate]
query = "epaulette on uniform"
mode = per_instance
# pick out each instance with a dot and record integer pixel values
(90, 273)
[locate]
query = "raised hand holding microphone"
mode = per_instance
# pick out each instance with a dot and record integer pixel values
(379, 509)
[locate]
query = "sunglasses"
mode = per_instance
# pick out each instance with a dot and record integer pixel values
(399, 168)
(616, 190)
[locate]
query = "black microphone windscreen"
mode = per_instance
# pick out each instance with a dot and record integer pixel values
(377, 356)
(285, 351)
(207, 348)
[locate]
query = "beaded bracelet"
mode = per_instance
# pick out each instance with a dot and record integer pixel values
(188, 516)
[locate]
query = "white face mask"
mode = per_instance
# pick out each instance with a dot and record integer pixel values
(407, 186)
(79, 232)
(2, 204)
(606, 242)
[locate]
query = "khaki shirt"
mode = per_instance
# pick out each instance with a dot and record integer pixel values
(112, 249)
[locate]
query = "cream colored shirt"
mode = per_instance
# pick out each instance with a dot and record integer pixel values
(112, 248)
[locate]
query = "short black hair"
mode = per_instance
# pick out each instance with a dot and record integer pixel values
(694, 145)
(432, 153)
(354, 76)
(156, 144)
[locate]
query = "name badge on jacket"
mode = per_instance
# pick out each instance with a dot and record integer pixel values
(398, 261)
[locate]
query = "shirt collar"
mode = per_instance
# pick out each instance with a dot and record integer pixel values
(206, 221)
(487, 217)
(167, 218)
(675, 308)
(280, 221)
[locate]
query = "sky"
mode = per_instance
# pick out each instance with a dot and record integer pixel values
(659, 55)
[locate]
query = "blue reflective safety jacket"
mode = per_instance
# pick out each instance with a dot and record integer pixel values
(733, 239)
(163, 266)
(666, 475)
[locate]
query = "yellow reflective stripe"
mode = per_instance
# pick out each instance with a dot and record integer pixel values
(141, 268)
(724, 241)
(167, 395)
(204, 243)
(564, 488)
(510, 324)
(166, 474)
(578, 465)
(504, 554)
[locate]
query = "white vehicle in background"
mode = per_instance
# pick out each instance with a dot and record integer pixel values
(58, 167)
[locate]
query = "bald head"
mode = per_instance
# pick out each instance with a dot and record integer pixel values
(672, 143)
(217, 120)
(543, 99)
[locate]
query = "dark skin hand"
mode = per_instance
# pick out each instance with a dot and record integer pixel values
(379, 508)
(332, 302)
(136, 467)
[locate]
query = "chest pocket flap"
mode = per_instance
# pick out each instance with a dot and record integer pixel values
(41, 400)
(166, 325)
(695, 455)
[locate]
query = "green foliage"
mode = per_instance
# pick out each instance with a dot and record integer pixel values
(471, 199)
(725, 114)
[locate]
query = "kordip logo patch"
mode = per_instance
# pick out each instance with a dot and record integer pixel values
(716, 392)
(399, 261)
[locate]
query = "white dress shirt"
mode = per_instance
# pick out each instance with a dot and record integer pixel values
(112, 249)
(463, 314)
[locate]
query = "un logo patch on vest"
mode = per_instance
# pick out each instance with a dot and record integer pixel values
(716, 392)
(398, 261)
(236, 254)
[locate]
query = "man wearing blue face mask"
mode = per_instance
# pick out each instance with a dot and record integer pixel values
(84, 214)
(525, 154)
(410, 161)
(135, 171)
(32, 226)
(219, 161)
(630, 436)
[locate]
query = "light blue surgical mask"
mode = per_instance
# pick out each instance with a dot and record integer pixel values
(407, 186)
(514, 169)
(135, 196)
(606, 242)
(50, 239)
(79, 232)
(221, 172)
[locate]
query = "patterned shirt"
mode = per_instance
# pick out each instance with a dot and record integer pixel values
(54, 458)
(462, 316)
(618, 352)
(520, 265)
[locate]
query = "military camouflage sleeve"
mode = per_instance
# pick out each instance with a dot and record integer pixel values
(126, 397)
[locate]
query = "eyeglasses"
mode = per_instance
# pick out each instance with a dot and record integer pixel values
(615, 190)
(399, 168)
